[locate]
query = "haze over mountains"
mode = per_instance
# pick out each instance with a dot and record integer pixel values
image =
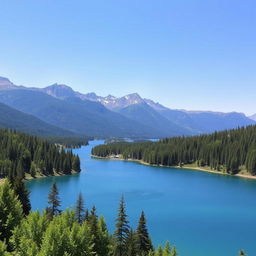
(72, 112)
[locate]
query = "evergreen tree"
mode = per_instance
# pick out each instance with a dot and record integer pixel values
(227, 151)
(79, 209)
(143, 240)
(3, 249)
(93, 224)
(54, 201)
(33, 170)
(76, 164)
(104, 239)
(167, 249)
(10, 212)
(23, 195)
(132, 249)
(242, 253)
(122, 231)
(174, 251)
(159, 251)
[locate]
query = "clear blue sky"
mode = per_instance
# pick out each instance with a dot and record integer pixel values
(190, 54)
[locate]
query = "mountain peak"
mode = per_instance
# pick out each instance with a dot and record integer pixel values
(6, 84)
(253, 117)
(59, 91)
(133, 96)
(131, 99)
(110, 97)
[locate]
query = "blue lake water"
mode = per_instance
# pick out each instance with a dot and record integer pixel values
(202, 214)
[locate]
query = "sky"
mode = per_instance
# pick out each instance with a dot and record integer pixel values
(185, 54)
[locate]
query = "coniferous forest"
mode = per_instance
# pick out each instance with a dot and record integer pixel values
(22, 154)
(74, 232)
(229, 151)
(77, 232)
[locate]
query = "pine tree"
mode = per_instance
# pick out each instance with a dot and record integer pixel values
(33, 170)
(3, 249)
(80, 210)
(174, 251)
(242, 253)
(104, 239)
(167, 249)
(143, 240)
(122, 231)
(54, 201)
(76, 164)
(131, 242)
(10, 212)
(23, 195)
(93, 224)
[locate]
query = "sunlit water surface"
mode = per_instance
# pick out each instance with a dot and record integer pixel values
(202, 214)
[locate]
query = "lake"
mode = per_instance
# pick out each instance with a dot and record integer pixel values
(203, 214)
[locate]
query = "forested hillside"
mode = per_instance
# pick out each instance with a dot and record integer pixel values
(22, 154)
(15, 119)
(229, 151)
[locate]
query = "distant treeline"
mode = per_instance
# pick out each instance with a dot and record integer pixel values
(70, 142)
(21, 154)
(228, 151)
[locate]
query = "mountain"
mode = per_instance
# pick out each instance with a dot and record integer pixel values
(79, 116)
(114, 103)
(14, 119)
(127, 116)
(6, 84)
(61, 91)
(145, 114)
(253, 117)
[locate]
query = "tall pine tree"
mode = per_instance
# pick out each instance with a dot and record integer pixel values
(122, 231)
(23, 195)
(54, 201)
(80, 210)
(143, 240)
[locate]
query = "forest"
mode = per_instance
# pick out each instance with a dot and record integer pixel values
(230, 151)
(22, 154)
(73, 232)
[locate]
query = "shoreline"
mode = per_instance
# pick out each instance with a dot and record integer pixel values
(39, 176)
(56, 174)
(243, 176)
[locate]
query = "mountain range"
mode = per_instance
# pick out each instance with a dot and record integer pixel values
(59, 107)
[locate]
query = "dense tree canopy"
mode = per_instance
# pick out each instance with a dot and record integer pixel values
(65, 235)
(228, 151)
(21, 154)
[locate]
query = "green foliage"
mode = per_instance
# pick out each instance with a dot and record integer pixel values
(122, 231)
(79, 209)
(21, 154)
(242, 253)
(143, 240)
(54, 201)
(3, 249)
(63, 235)
(23, 195)
(11, 212)
(228, 149)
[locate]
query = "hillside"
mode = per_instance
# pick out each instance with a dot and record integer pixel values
(144, 114)
(230, 151)
(110, 116)
(22, 154)
(76, 115)
(17, 120)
